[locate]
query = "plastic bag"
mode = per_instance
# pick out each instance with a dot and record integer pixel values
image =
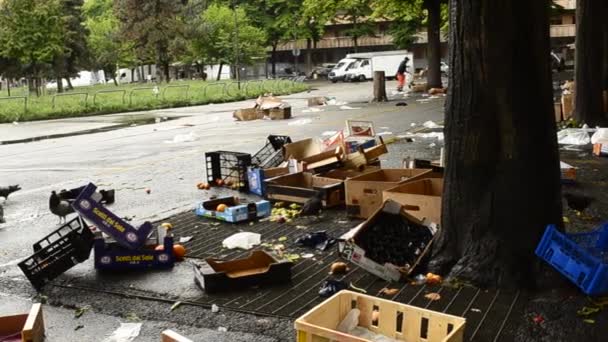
(600, 136)
(127, 332)
(243, 240)
(350, 322)
(573, 136)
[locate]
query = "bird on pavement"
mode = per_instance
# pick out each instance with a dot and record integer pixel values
(578, 202)
(60, 207)
(7, 190)
(313, 206)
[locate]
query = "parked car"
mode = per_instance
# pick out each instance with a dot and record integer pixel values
(338, 72)
(322, 71)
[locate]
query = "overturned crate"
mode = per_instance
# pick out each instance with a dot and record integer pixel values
(57, 252)
(271, 154)
(227, 168)
(398, 321)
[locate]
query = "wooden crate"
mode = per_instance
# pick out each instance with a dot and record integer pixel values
(31, 326)
(398, 321)
(172, 336)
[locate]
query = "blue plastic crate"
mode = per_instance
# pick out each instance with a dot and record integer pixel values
(236, 211)
(582, 257)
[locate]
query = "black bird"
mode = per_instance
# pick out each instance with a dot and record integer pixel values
(2, 214)
(578, 202)
(313, 206)
(7, 190)
(60, 207)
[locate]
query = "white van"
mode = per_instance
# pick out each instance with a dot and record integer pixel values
(387, 61)
(337, 73)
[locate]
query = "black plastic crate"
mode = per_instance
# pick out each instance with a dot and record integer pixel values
(229, 167)
(59, 251)
(271, 154)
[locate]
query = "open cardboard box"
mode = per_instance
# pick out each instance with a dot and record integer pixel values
(421, 198)
(349, 249)
(259, 268)
(344, 174)
(302, 186)
(313, 154)
(248, 114)
(364, 193)
(24, 327)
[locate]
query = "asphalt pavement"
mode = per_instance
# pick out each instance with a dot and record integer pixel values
(167, 159)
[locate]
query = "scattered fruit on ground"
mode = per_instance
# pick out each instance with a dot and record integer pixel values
(433, 296)
(219, 182)
(433, 279)
(339, 267)
(389, 292)
(179, 252)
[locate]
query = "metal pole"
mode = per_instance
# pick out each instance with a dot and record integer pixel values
(236, 46)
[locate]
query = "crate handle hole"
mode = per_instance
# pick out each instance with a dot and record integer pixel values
(399, 323)
(450, 328)
(581, 278)
(353, 304)
(424, 328)
(375, 315)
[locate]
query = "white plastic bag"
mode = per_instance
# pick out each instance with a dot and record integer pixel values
(127, 332)
(243, 240)
(600, 136)
(573, 136)
(350, 322)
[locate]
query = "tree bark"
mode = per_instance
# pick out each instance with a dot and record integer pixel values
(69, 82)
(434, 43)
(274, 60)
(219, 72)
(588, 106)
(502, 176)
(59, 85)
(308, 56)
(380, 87)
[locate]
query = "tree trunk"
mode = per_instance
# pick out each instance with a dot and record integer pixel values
(59, 85)
(380, 87)
(502, 177)
(167, 69)
(356, 44)
(588, 106)
(70, 86)
(274, 60)
(8, 87)
(219, 72)
(308, 56)
(434, 43)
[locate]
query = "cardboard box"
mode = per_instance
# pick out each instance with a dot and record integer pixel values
(364, 193)
(248, 114)
(256, 177)
(352, 144)
(24, 327)
(568, 172)
(558, 111)
(317, 101)
(302, 149)
(567, 106)
(279, 113)
(344, 173)
(421, 198)
(302, 186)
(600, 149)
(350, 245)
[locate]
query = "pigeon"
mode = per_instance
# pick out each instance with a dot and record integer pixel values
(7, 190)
(59, 207)
(313, 206)
(578, 202)
(2, 214)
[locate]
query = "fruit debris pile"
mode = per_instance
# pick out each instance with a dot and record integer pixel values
(391, 238)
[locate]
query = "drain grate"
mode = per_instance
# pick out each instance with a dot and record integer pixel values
(488, 312)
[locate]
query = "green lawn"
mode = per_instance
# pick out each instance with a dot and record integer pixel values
(103, 99)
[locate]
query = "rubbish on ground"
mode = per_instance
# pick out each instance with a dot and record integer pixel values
(331, 287)
(215, 308)
(438, 135)
(242, 240)
(302, 186)
(248, 114)
(573, 136)
(565, 219)
(538, 319)
(319, 240)
(203, 186)
(580, 257)
(568, 172)
(432, 296)
(230, 209)
(360, 128)
(292, 257)
(281, 215)
(80, 311)
(401, 104)
(172, 336)
(127, 332)
(317, 101)
(410, 320)
(312, 110)
(222, 329)
(23, 327)
(353, 287)
(364, 193)
(578, 202)
(413, 124)
(354, 143)
(421, 198)
(294, 206)
(339, 267)
(257, 177)
(344, 107)
(78, 327)
(431, 124)
(475, 310)
(185, 239)
(384, 133)
(307, 256)
(434, 91)
(183, 138)
(300, 122)
(589, 321)
(600, 136)
(369, 245)
(282, 238)
(389, 291)
(587, 311)
(258, 269)
(270, 102)
(420, 279)
(432, 145)
(57, 252)
(433, 279)
(331, 101)
(175, 305)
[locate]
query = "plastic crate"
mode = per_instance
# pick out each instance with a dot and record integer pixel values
(230, 167)
(271, 154)
(106, 221)
(59, 251)
(395, 320)
(582, 257)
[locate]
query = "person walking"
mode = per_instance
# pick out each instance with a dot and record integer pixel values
(401, 73)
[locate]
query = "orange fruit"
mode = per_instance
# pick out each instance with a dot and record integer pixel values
(206, 186)
(221, 208)
(179, 252)
(219, 182)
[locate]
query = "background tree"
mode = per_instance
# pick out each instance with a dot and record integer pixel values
(151, 25)
(502, 180)
(75, 56)
(588, 74)
(32, 32)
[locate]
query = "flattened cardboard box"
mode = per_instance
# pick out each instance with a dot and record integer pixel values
(421, 198)
(348, 248)
(364, 193)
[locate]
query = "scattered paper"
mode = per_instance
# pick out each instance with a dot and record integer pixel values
(349, 107)
(431, 124)
(307, 255)
(215, 308)
(313, 110)
(175, 305)
(182, 138)
(185, 239)
(222, 329)
(127, 332)
(300, 122)
(475, 310)
(243, 240)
